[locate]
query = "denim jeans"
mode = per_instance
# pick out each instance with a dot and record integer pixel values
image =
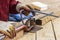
(17, 17)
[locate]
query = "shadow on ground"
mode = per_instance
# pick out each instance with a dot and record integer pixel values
(35, 29)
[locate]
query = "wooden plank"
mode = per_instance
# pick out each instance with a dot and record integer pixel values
(45, 18)
(34, 7)
(42, 19)
(56, 24)
(46, 33)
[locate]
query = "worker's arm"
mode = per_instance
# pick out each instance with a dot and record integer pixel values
(12, 6)
(15, 7)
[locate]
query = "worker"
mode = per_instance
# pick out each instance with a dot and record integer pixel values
(8, 7)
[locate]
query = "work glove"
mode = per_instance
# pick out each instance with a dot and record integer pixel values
(7, 29)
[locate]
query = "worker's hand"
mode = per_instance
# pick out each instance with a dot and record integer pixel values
(26, 10)
(21, 6)
(11, 33)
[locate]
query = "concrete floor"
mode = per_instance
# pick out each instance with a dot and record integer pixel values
(46, 33)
